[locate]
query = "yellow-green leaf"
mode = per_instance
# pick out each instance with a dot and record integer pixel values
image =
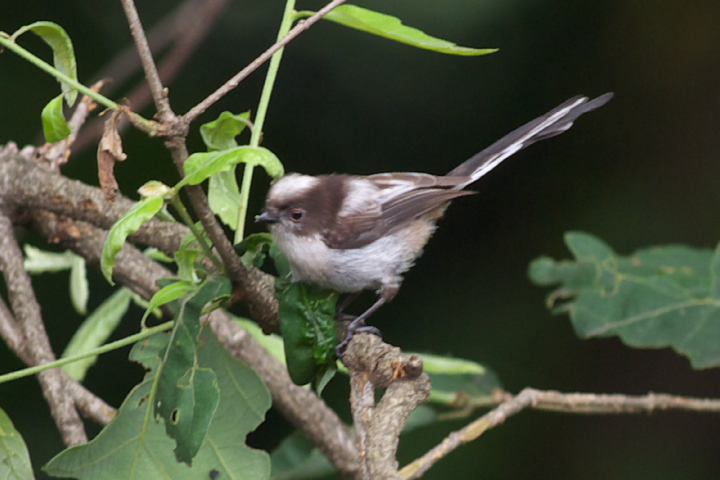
(392, 28)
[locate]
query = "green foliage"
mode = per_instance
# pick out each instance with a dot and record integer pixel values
(253, 249)
(54, 124)
(187, 393)
(95, 331)
(223, 192)
(220, 133)
(296, 458)
(458, 382)
(307, 323)
(41, 261)
(79, 287)
(392, 28)
(14, 457)
(200, 166)
(167, 294)
(134, 445)
(141, 212)
(63, 53)
(55, 127)
(656, 297)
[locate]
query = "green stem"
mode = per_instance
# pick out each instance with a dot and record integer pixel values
(285, 25)
(187, 220)
(8, 43)
(97, 351)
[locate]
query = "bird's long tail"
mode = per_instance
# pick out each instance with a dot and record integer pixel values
(555, 122)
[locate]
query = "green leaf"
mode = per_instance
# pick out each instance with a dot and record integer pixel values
(296, 458)
(656, 297)
(141, 212)
(165, 295)
(307, 322)
(134, 445)
(63, 53)
(187, 394)
(55, 127)
(41, 261)
(391, 27)
(220, 133)
(224, 197)
(14, 457)
(456, 381)
(95, 331)
(437, 364)
(79, 288)
(200, 166)
(253, 249)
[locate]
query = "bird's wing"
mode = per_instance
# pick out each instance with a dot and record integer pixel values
(407, 196)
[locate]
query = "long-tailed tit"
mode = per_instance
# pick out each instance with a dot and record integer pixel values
(351, 233)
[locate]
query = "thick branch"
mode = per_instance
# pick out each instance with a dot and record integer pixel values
(27, 185)
(36, 343)
(374, 364)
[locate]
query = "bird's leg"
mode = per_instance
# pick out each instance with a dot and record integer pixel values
(358, 324)
(340, 316)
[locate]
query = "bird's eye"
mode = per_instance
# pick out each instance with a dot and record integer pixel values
(297, 214)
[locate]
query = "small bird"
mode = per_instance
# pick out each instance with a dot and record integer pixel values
(350, 233)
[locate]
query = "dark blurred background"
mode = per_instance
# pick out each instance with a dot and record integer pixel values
(637, 172)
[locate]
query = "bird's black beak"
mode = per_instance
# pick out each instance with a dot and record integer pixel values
(266, 217)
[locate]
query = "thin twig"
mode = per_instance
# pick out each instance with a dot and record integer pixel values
(583, 403)
(185, 27)
(148, 63)
(301, 26)
(27, 312)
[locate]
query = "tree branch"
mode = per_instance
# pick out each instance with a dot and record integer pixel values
(584, 403)
(87, 403)
(36, 343)
(151, 73)
(374, 364)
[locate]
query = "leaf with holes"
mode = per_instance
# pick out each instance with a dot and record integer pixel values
(187, 393)
(134, 445)
(656, 297)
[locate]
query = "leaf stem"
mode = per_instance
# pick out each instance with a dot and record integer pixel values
(285, 24)
(97, 351)
(10, 44)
